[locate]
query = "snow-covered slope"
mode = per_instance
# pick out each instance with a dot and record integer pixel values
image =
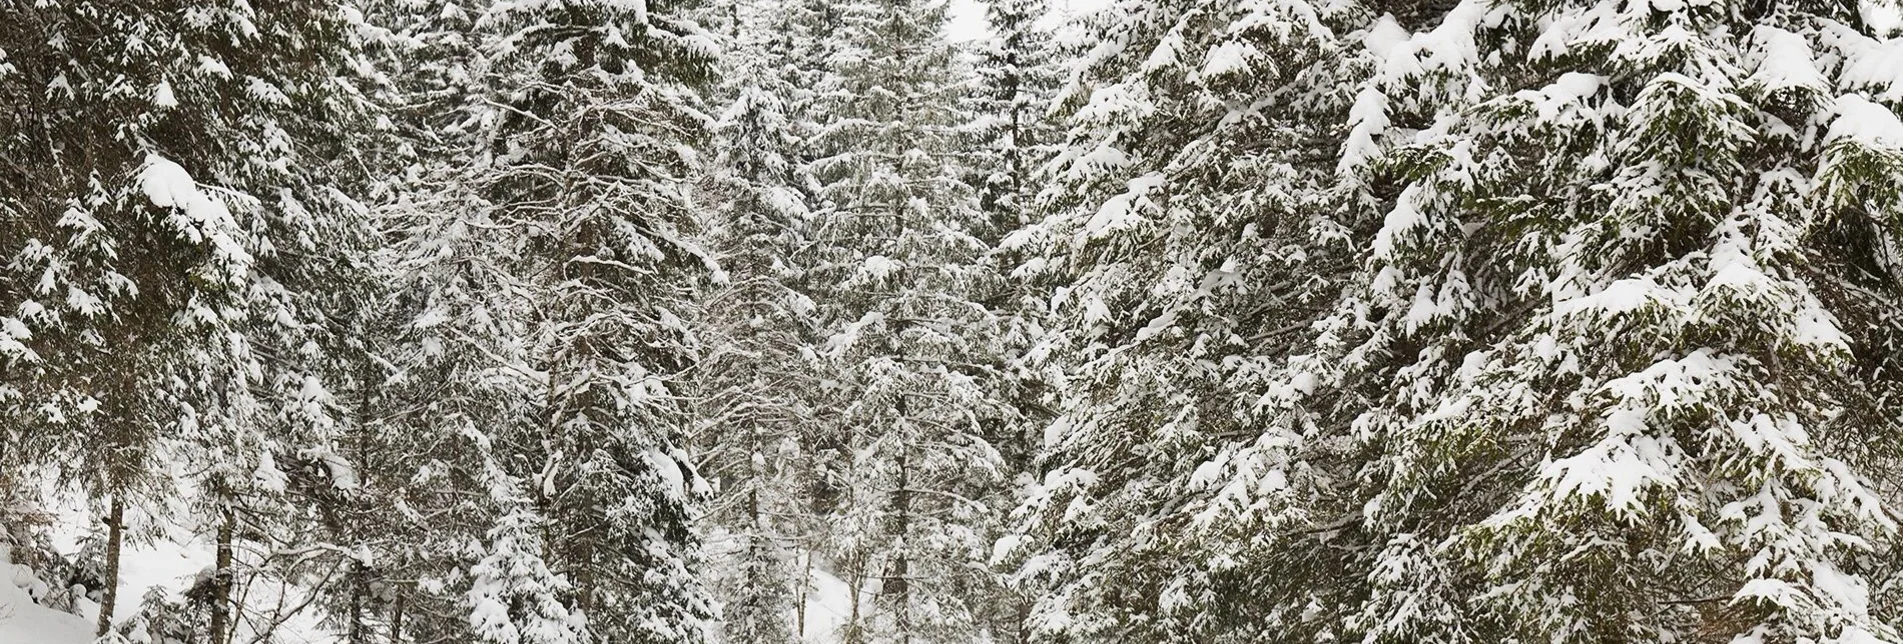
(24, 622)
(828, 606)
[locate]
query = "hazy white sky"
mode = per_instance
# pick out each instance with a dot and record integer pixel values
(968, 16)
(967, 19)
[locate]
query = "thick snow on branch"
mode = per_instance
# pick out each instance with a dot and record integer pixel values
(197, 216)
(1865, 123)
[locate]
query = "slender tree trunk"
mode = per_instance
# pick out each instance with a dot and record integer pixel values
(221, 582)
(115, 536)
(857, 580)
(753, 540)
(1023, 618)
(544, 505)
(1014, 90)
(806, 582)
(360, 574)
(396, 619)
(901, 580)
(357, 634)
(582, 561)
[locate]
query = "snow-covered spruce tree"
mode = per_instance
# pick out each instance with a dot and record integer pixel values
(1192, 229)
(1018, 74)
(448, 414)
(294, 466)
(752, 383)
(455, 411)
(806, 35)
(560, 242)
(1624, 346)
(159, 171)
(1614, 368)
(803, 37)
(895, 265)
(413, 402)
(757, 374)
(1018, 77)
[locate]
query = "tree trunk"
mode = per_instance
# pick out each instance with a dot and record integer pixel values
(857, 580)
(360, 574)
(753, 540)
(115, 536)
(357, 633)
(221, 582)
(900, 581)
(1023, 619)
(396, 619)
(806, 582)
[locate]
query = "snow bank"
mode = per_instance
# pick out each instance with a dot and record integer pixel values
(828, 607)
(25, 622)
(169, 563)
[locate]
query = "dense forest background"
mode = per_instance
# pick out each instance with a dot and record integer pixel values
(776, 321)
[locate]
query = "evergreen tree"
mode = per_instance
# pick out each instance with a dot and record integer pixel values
(167, 191)
(1385, 321)
(757, 375)
(1018, 76)
(448, 380)
(1193, 228)
(1588, 377)
(896, 265)
(1622, 360)
(553, 264)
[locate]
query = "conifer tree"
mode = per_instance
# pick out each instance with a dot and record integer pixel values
(1018, 76)
(161, 209)
(1383, 321)
(1017, 73)
(1621, 361)
(553, 262)
(757, 373)
(897, 263)
(1583, 371)
(1192, 229)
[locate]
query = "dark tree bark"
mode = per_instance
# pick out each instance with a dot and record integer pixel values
(115, 537)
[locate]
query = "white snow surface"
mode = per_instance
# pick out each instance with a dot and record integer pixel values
(1870, 64)
(1866, 123)
(24, 622)
(967, 21)
(1567, 95)
(1787, 61)
(1447, 48)
(164, 552)
(828, 606)
(1368, 117)
(162, 95)
(673, 481)
(169, 564)
(1229, 57)
(1120, 212)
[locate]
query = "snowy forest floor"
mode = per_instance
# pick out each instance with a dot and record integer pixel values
(172, 562)
(167, 564)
